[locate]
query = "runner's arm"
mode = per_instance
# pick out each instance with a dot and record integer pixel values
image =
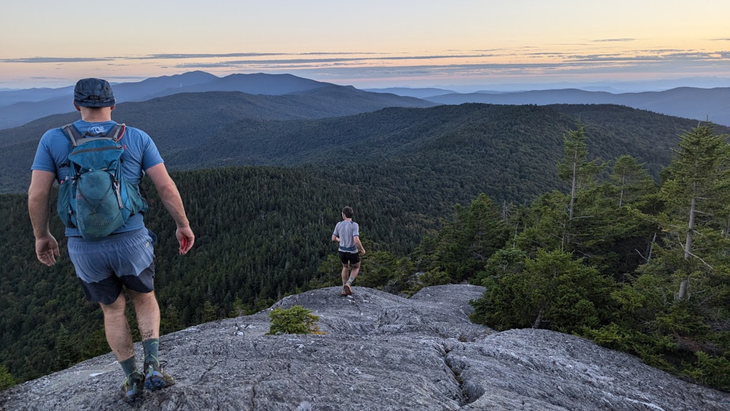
(356, 239)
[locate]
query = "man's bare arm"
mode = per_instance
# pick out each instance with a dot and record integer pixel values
(46, 246)
(170, 197)
(356, 239)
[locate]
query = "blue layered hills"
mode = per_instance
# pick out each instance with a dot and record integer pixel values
(18, 107)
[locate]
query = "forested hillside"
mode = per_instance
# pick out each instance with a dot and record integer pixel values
(688, 102)
(507, 147)
(182, 121)
(508, 152)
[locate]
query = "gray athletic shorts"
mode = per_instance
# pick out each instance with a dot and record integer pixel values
(105, 266)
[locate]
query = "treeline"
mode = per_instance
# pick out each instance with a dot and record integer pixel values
(633, 265)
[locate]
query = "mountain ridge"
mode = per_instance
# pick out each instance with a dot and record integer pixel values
(186, 116)
(445, 143)
(15, 111)
(18, 107)
(687, 102)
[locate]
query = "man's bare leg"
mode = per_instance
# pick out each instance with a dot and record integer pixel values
(148, 314)
(344, 274)
(117, 330)
(148, 320)
(119, 337)
(354, 271)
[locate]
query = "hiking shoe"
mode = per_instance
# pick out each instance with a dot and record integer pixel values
(132, 387)
(348, 289)
(155, 377)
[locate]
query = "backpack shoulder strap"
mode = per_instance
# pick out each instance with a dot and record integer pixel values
(117, 132)
(71, 134)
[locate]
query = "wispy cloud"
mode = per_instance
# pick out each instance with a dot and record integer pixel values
(351, 59)
(236, 55)
(621, 40)
(56, 60)
(46, 78)
(588, 60)
(326, 59)
(200, 56)
(612, 58)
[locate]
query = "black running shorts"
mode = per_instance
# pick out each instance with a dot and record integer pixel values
(352, 258)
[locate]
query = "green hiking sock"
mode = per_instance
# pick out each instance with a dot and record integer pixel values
(128, 365)
(151, 349)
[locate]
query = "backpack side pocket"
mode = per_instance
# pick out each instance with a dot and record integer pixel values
(133, 200)
(63, 207)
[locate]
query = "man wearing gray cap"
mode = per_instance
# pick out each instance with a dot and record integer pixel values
(123, 259)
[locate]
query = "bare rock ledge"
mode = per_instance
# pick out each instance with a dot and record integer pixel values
(380, 352)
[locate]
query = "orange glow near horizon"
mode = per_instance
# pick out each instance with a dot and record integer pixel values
(388, 43)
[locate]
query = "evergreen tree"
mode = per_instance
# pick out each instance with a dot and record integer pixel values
(209, 312)
(6, 379)
(696, 185)
(630, 178)
(466, 242)
(66, 352)
(574, 167)
(578, 171)
(552, 291)
(543, 224)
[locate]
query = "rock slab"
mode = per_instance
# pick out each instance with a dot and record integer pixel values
(378, 352)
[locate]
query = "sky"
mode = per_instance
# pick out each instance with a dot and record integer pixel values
(461, 45)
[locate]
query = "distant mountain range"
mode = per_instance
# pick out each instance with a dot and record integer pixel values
(503, 150)
(18, 107)
(183, 120)
(506, 151)
(702, 104)
(424, 93)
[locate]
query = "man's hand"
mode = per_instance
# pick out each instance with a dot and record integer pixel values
(186, 238)
(46, 249)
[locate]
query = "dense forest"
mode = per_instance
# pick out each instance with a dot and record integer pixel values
(602, 249)
(631, 264)
(507, 147)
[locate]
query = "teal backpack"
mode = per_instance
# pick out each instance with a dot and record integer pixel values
(95, 197)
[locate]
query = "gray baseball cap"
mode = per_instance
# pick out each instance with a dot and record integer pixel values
(93, 92)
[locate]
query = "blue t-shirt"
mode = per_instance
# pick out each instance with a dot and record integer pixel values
(140, 153)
